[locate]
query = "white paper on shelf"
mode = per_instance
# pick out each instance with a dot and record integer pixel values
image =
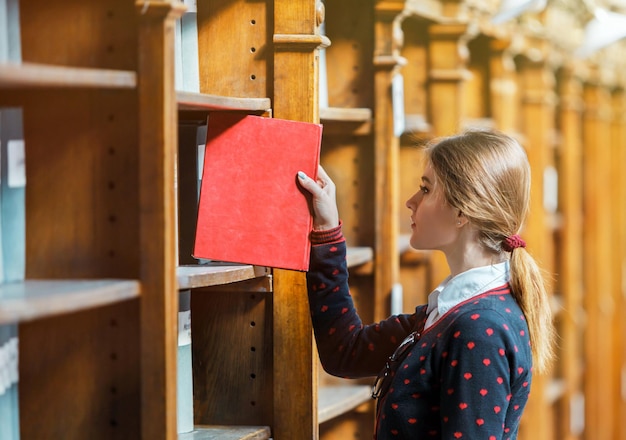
(184, 328)
(16, 164)
(8, 364)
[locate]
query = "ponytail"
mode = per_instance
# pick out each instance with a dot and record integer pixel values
(529, 290)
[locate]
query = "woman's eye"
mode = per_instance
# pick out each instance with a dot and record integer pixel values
(423, 189)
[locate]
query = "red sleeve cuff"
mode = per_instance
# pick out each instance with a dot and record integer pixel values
(327, 236)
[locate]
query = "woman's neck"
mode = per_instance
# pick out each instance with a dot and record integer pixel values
(467, 253)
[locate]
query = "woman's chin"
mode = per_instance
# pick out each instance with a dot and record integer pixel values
(415, 244)
(419, 244)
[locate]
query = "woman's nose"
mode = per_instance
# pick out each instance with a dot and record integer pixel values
(411, 203)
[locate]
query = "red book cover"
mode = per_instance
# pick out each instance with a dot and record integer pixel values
(251, 209)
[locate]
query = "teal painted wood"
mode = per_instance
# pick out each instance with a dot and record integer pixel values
(12, 194)
(12, 222)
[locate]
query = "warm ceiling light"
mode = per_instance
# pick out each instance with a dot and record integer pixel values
(606, 27)
(510, 9)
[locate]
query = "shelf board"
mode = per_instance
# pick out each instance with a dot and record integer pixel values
(38, 76)
(227, 433)
(404, 243)
(482, 123)
(357, 256)
(34, 299)
(355, 121)
(555, 389)
(416, 124)
(199, 102)
(216, 273)
(410, 256)
(334, 401)
(345, 114)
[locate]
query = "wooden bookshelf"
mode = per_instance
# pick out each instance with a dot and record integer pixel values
(340, 121)
(216, 273)
(38, 299)
(194, 102)
(43, 76)
(358, 256)
(227, 433)
(330, 114)
(334, 401)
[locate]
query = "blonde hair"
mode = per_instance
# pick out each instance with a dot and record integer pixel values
(486, 175)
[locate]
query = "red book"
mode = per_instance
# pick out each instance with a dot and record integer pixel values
(251, 208)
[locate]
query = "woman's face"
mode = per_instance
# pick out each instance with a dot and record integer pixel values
(433, 220)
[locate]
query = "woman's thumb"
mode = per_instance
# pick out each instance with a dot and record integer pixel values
(308, 183)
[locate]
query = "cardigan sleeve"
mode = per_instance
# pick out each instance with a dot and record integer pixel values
(346, 346)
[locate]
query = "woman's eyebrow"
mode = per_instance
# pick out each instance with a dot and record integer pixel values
(426, 179)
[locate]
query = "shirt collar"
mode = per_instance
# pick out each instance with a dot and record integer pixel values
(473, 282)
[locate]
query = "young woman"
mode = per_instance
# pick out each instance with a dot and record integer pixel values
(460, 367)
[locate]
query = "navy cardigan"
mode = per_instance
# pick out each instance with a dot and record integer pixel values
(467, 376)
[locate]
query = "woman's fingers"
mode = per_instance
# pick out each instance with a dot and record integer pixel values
(309, 184)
(323, 192)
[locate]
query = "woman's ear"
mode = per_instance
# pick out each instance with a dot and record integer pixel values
(461, 220)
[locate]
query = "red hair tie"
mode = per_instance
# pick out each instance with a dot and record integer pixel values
(513, 242)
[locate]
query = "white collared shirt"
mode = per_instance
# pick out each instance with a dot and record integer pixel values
(454, 290)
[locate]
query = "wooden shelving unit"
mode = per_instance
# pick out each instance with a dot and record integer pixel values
(215, 274)
(189, 101)
(334, 401)
(39, 299)
(41, 76)
(102, 278)
(227, 433)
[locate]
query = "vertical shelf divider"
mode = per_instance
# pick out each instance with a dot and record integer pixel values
(157, 143)
(295, 96)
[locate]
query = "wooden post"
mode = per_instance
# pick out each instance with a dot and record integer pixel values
(570, 279)
(387, 62)
(618, 163)
(618, 228)
(600, 357)
(415, 272)
(503, 90)
(159, 290)
(538, 102)
(446, 77)
(295, 96)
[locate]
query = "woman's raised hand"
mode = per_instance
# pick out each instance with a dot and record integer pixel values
(325, 213)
